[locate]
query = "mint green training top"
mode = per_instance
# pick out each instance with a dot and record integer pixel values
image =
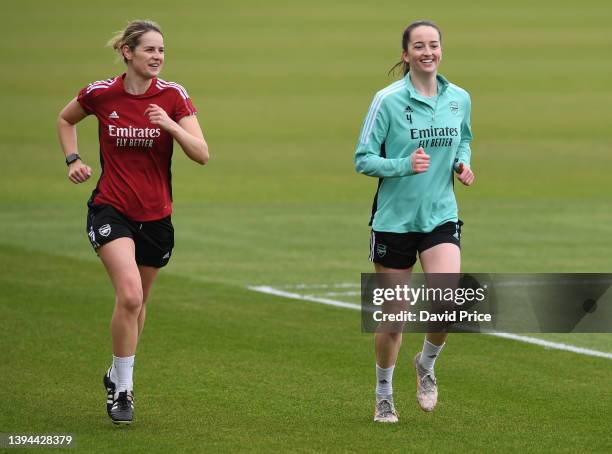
(399, 121)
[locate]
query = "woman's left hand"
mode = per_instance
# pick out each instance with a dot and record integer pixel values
(159, 117)
(465, 175)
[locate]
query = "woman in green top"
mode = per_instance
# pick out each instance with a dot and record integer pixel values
(416, 132)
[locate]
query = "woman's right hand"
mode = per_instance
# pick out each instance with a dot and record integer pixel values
(419, 160)
(78, 172)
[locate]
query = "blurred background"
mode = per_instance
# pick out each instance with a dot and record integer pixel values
(282, 88)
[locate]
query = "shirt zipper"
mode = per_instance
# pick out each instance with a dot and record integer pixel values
(440, 90)
(435, 108)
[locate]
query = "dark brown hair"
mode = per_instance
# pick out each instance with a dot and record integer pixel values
(406, 38)
(130, 36)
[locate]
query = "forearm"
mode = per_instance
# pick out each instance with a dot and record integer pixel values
(463, 155)
(377, 166)
(78, 172)
(67, 136)
(194, 147)
(66, 126)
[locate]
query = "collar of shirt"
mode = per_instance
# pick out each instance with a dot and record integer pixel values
(442, 85)
(153, 89)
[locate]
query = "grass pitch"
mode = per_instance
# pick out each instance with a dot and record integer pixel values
(282, 88)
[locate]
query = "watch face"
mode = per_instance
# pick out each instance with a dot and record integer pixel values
(71, 158)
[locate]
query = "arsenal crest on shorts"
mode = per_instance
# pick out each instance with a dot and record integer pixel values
(105, 230)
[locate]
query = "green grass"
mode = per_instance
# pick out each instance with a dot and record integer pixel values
(282, 89)
(220, 368)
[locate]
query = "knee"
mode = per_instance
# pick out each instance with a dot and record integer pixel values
(130, 299)
(395, 337)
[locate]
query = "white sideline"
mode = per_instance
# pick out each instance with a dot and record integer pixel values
(555, 345)
(297, 296)
(339, 285)
(530, 340)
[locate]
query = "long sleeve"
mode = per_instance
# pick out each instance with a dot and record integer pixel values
(370, 158)
(464, 152)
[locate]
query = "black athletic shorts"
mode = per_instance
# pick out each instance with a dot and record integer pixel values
(154, 240)
(399, 250)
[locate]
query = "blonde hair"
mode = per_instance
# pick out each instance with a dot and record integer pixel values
(130, 36)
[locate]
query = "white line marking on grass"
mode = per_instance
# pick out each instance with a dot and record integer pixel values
(555, 345)
(340, 285)
(330, 302)
(297, 296)
(349, 293)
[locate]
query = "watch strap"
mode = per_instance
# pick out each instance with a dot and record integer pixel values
(71, 158)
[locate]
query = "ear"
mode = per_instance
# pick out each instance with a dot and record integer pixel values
(405, 56)
(126, 52)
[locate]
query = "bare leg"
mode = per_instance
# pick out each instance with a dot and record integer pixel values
(147, 276)
(442, 258)
(387, 345)
(118, 257)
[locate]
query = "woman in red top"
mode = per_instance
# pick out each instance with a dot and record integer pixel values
(128, 222)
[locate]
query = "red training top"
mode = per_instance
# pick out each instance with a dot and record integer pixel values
(135, 154)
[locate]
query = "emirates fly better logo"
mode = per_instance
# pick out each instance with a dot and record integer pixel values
(134, 137)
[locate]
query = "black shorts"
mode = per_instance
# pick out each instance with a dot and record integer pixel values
(399, 250)
(154, 240)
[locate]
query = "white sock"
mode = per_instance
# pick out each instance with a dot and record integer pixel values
(121, 373)
(384, 382)
(430, 352)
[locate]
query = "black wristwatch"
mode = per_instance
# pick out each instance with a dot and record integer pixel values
(71, 158)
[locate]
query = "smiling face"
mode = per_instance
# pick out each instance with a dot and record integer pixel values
(147, 58)
(424, 50)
